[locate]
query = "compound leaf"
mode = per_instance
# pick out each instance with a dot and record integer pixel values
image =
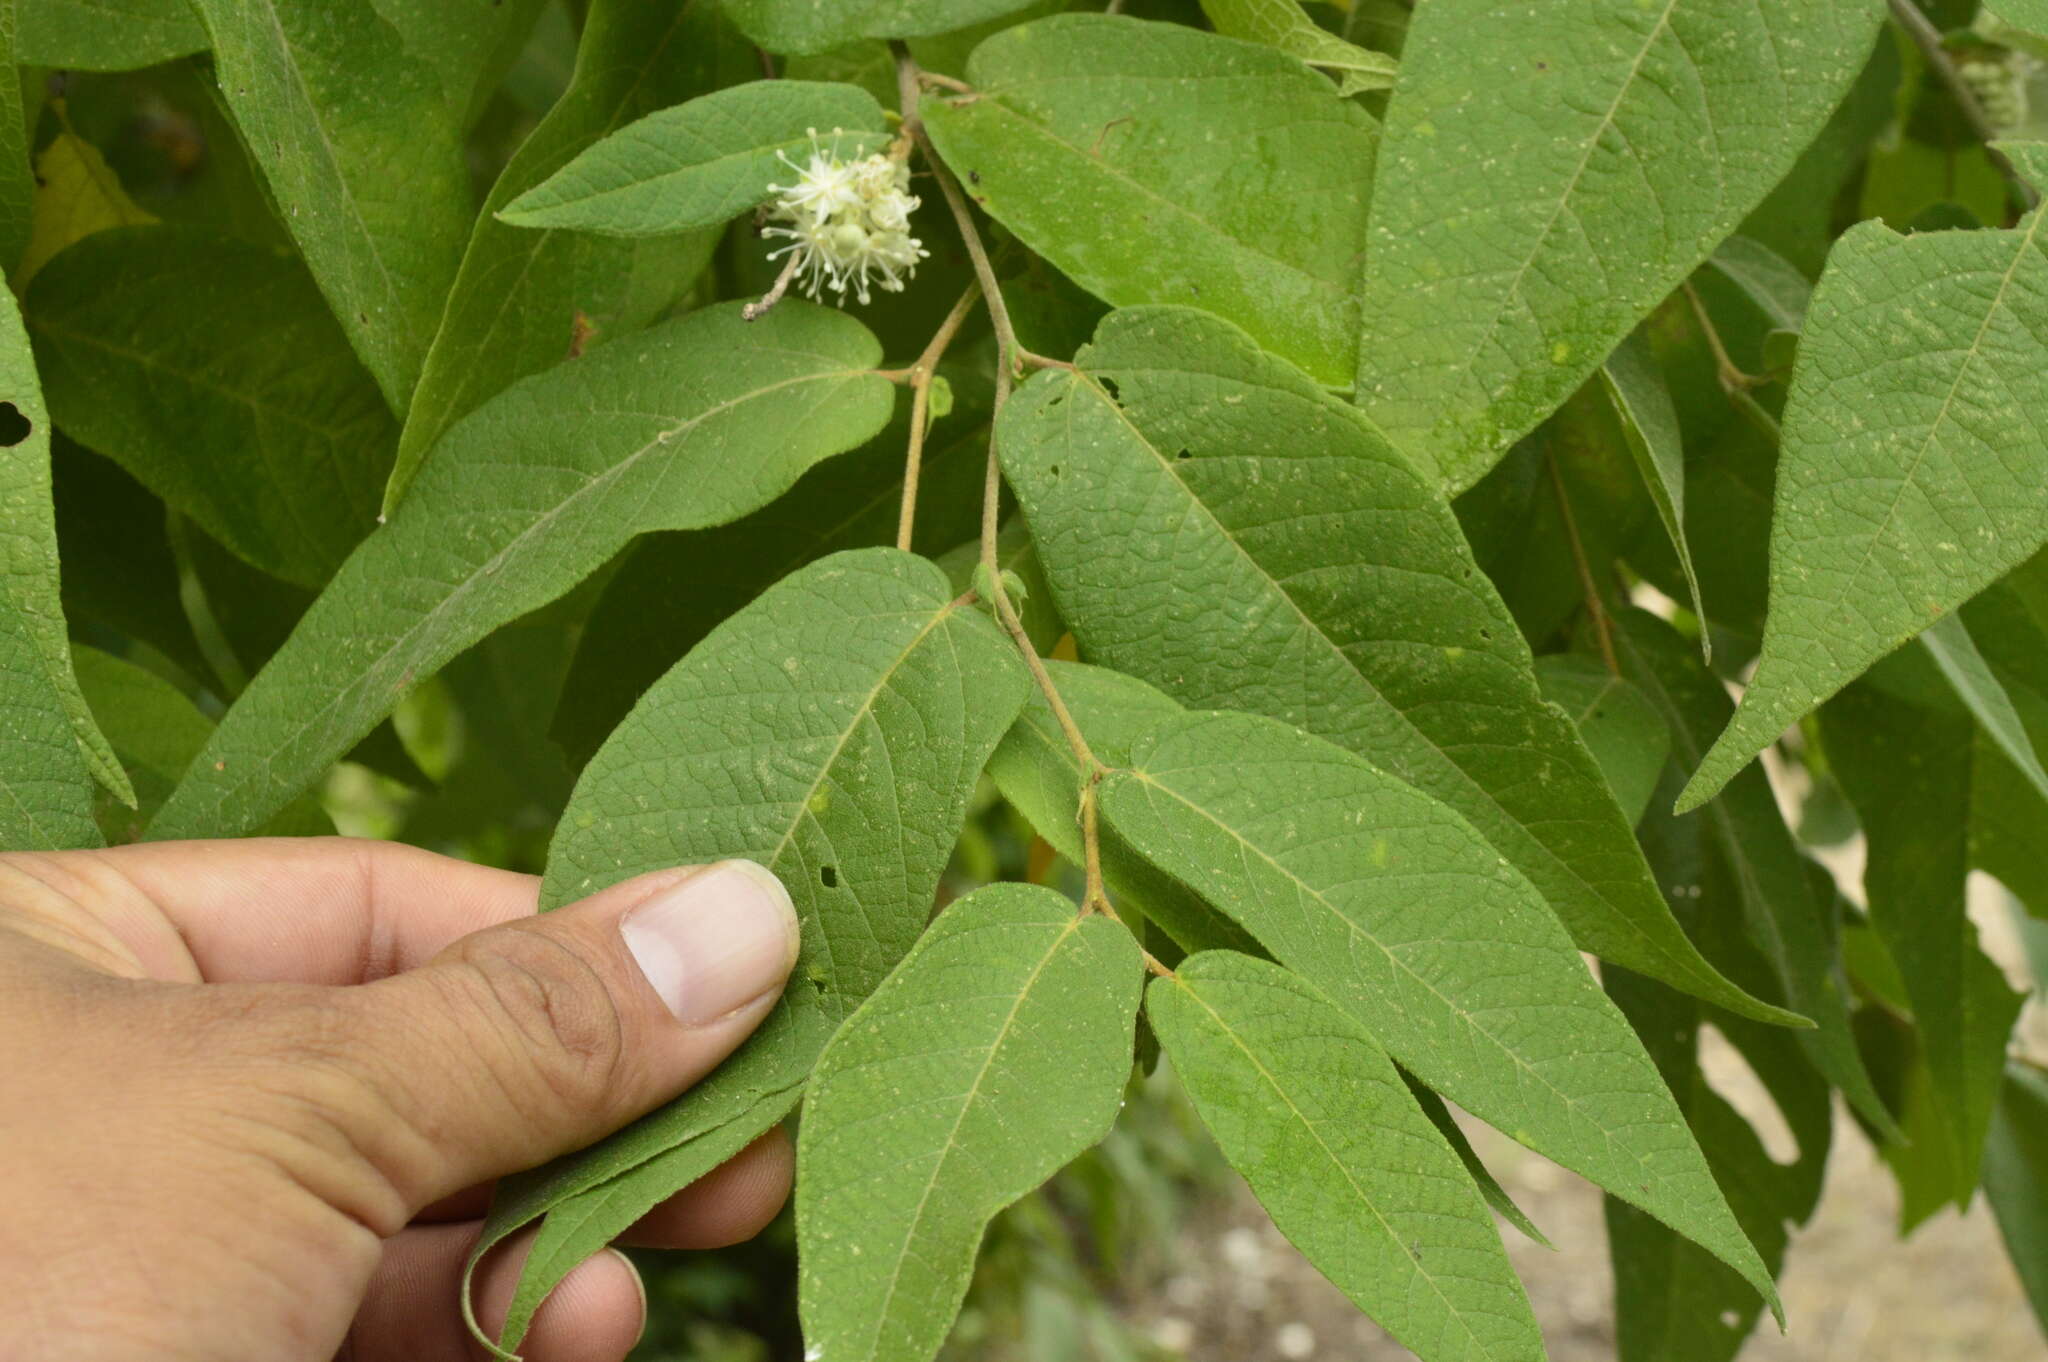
(703, 163)
(1310, 1110)
(1915, 471)
(1397, 909)
(686, 425)
(364, 158)
(930, 1111)
(210, 369)
(1094, 138)
(522, 300)
(832, 731)
(1214, 523)
(1550, 172)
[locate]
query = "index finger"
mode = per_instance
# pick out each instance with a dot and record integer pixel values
(313, 910)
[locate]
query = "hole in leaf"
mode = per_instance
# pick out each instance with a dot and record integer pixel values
(828, 875)
(14, 427)
(1183, 455)
(1109, 386)
(1054, 470)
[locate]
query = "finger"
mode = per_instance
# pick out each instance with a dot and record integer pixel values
(728, 1205)
(412, 1312)
(731, 1203)
(314, 910)
(542, 1035)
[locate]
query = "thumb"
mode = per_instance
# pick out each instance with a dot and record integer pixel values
(535, 1038)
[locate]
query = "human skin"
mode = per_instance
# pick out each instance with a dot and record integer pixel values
(253, 1093)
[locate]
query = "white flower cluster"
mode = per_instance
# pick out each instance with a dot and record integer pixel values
(847, 223)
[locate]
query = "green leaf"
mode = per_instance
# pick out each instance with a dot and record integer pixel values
(1781, 293)
(1310, 1110)
(1914, 474)
(1907, 770)
(1650, 424)
(514, 305)
(1490, 1189)
(469, 45)
(703, 163)
(693, 423)
(1399, 911)
(1036, 771)
(51, 751)
(1620, 727)
(363, 157)
(1093, 138)
(156, 730)
(929, 1111)
(1283, 24)
(76, 195)
(1550, 172)
(106, 35)
(1794, 932)
(1224, 529)
(1979, 688)
(832, 731)
(805, 27)
(210, 369)
(17, 184)
(2016, 1178)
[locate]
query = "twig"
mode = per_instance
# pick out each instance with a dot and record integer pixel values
(753, 311)
(1734, 379)
(1927, 38)
(922, 372)
(1594, 606)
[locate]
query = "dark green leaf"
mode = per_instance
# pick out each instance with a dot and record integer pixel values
(2016, 1178)
(1650, 424)
(106, 35)
(806, 26)
(210, 369)
(1215, 524)
(1621, 728)
(691, 424)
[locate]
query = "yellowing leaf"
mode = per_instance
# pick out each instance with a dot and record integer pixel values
(77, 194)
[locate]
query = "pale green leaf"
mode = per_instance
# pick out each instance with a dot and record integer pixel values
(1095, 139)
(1550, 172)
(1914, 471)
(1649, 422)
(832, 731)
(1398, 910)
(515, 304)
(1907, 770)
(1777, 288)
(17, 183)
(106, 35)
(1283, 24)
(1037, 772)
(210, 369)
(703, 163)
(353, 134)
(1794, 931)
(687, 425)
(1955, 652)
(1310, 1110)
(1621, 728)
(2016, 1177)
(995, 1053)
(76, 195)
(1224, 529)
(807, 27)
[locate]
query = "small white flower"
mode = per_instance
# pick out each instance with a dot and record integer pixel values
(847, 224)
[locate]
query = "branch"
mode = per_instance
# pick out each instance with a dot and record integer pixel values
(1927, 38)
(922, 372)
(1594, 606)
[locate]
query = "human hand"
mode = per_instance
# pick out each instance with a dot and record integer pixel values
(252, 1093)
